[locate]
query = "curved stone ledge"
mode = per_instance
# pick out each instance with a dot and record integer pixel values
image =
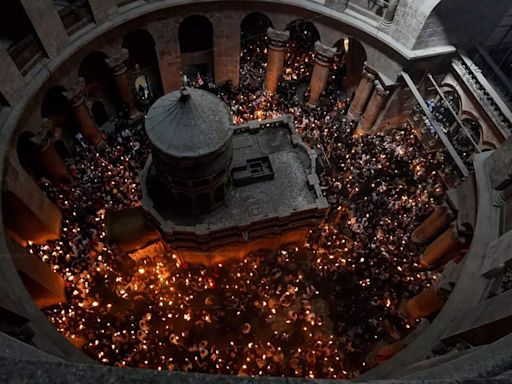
(469, 288)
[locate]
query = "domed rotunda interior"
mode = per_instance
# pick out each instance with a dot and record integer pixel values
(270, 191)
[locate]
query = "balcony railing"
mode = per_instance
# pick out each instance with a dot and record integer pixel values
(493, 74)
(75, 15)
(496, 109)
(25, 54)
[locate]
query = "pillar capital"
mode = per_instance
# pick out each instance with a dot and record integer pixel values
(44, 137)
(370, 77)
(87, 125)
(379, 89)
(324, 55)
(118, 62)
(277, 39)
(76, 95)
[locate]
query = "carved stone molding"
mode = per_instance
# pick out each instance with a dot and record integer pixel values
(118, 62)
(324, 55)
(277, 39)
(76, 95)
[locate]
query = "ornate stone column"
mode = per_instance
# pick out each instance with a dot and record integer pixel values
(432, 226)
(389, 15)
(442, 249)
(324, 57)
(423, 304)
(88, 126)
(373, 110)
(124, 82)
(275, 57)
(362, 95)
(51, 162)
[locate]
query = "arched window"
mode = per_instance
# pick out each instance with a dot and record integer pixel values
(99, 113)
(141, 46)
(57, 108)
(355, 58)
(303, 34)
(254, 26)
(94, 70)
(143, 61)
(195, 34)
(196, 47)
(99, 81)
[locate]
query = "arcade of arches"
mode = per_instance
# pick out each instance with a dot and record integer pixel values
(344, 301)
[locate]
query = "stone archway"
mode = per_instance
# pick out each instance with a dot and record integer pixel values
(354, 60)
(143, 61)
(99, 82)
(253, 46)
(196, 53)
(303, 35)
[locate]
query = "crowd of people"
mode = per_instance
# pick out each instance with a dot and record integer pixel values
(313, 310)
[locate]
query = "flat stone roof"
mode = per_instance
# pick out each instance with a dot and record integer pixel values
(295, 186)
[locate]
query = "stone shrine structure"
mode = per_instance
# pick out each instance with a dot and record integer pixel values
(217, 192)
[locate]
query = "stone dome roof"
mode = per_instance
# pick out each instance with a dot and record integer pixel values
(189, 123)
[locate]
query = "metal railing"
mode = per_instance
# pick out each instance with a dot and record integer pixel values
(482, 94)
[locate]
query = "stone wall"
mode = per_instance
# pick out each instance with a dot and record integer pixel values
(462, 23)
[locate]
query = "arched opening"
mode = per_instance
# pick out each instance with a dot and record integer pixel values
(460, 140)
(196, 46)
(474, 128)
(253, 45)
(354, 59)
(254, 26)
(303, 35)
(99, 113)
(299, 58)
(99, 81)
(28, 154)
(40, 158)
(141, 46)
(452, 96)
(143, 62)
(442, 111)
(339, 67)
(58, 109)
